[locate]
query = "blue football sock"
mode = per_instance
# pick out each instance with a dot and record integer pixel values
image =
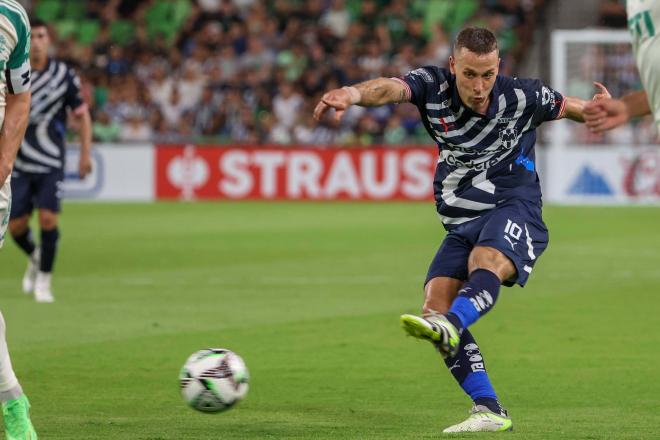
(469, 370)
(475, 299)
(48, 249)
(492, 404)
(25, 242)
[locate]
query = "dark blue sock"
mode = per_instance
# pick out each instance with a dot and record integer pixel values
(475, 299)
(469, 370)
(492, 404)
(25, 242)
(48, 249)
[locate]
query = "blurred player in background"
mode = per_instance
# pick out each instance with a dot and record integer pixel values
(487, 194)
(644, 24)
(39, 168)
(14, 109)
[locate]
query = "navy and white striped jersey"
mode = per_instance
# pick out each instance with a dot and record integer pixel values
(485, 160)
(55, 89)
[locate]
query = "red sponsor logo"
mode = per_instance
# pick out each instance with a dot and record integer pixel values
(188, 172)
(642, 175)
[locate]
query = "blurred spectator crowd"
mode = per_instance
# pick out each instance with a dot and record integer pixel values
(247, 71)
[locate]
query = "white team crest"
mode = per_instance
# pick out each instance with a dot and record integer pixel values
(509, 137)
(548, 97)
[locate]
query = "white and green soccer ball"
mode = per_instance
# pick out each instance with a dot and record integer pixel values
(214, 380)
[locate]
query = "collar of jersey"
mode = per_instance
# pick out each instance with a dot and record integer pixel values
(457, 102)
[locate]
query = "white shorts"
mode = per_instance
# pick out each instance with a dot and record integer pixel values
(5, 208)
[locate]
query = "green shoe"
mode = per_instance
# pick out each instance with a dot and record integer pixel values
(434, 328)
(17, 419)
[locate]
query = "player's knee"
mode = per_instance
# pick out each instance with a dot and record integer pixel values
(47, 220)
(488, 258)
(47, 224)
(18, 226)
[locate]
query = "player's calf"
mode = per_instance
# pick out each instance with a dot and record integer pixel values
(439, 294)
(475, 299)
(468, 367)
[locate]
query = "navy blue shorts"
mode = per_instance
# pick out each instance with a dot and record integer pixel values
(515, 228)
(35, 190)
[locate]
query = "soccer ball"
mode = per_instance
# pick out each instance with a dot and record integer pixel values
(214, 380)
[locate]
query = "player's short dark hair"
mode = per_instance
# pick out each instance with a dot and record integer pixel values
(36, 22)
(475, 39)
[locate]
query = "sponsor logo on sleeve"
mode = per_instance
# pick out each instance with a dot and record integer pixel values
(426, 76)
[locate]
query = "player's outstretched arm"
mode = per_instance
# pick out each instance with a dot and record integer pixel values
(13, 129)
(574, 108)
(370, 93)
(85, 123)
(607, 114)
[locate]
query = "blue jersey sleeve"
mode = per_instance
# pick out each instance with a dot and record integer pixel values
(420, 82)
(550, 103)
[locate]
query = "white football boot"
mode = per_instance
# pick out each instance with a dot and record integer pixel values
(482, 419)
(30, 276)
(42, 290)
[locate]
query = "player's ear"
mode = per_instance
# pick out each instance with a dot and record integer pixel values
(452, 65)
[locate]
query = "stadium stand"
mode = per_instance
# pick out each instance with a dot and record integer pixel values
(244, 71)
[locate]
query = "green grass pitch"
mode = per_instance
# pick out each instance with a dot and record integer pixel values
(310, 295)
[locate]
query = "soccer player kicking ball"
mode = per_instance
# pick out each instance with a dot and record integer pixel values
(644, 23)
(14, 110)
(487, 195)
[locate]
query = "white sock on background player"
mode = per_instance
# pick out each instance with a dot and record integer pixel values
(30, 276)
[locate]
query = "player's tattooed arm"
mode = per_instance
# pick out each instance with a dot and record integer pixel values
(370, 93)
(381, 91)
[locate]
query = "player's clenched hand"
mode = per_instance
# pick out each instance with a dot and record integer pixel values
(339, 99)
(605, 114)
(84, 166)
